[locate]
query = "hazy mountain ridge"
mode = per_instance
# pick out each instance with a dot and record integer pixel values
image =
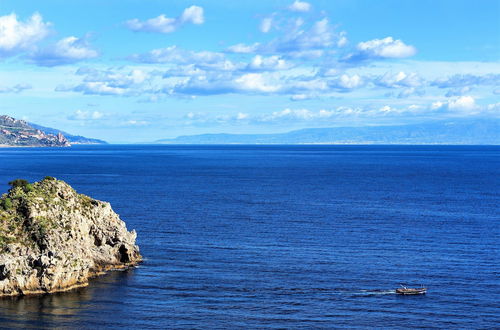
(475, 131)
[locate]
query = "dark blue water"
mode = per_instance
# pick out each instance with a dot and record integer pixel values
(282, 236)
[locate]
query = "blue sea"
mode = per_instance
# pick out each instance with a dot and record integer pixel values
(282, 236)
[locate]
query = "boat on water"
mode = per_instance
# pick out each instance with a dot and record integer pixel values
(411, 291)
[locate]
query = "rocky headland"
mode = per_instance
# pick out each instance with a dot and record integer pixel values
(73, 139)
(54, 239)
(18, 133)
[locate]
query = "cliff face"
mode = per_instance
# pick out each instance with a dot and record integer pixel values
(54, 239)
(19, 133)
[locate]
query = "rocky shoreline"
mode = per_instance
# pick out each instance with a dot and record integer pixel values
(53, 239)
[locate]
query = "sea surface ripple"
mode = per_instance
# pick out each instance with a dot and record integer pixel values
(282, 236)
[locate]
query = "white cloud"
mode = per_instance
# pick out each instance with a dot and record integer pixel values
(415, 107)
(467, 80)
(86, 115)
(407, 92)
(328, 72)
(193, 14)
(114, 78)
(74, 48)
(342, 39)
(214, 83)
(300, 6)
(319, 36)
(319, 116)
(386, 109)
(346, 82)
(65, 51)
(380, 49)
(438, 105)
(465, 106)
(350, 81)
(298, 85)
(297, 115)
(256, 82)
(494, 108)
(458, 91)
(15, 89)
(271, 63)
(163, 24)
(290, 114)
(338, 114)
(17, 36)
(176, 55)
(387, 47)
(301, 97)
(242, 116)
(284, 116)
(98, 88)
(299, 41)
(243, 49)
(462, 104)
(397, 80)
(266, 24)
(134, 122)
(109, 82)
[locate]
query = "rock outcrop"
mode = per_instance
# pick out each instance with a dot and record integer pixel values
(18, 133)
(54, 239)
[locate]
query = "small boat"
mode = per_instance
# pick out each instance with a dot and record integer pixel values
(411, 291)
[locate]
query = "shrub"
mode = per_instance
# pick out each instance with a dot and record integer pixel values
(23, 184)
(19, 183)
(6, 204)
(28, 187)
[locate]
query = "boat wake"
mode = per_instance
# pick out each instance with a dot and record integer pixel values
(374, 292)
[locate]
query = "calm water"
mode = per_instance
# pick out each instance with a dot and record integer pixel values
(282, 237)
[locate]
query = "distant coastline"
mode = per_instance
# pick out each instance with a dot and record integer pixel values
(315, 144)
(481, 131)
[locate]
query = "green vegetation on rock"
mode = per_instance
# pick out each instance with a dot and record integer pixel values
(16, 223)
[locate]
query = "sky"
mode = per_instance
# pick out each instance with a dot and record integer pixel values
(131, 71)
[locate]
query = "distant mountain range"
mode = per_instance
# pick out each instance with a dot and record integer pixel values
(462, 131)
(19, 133)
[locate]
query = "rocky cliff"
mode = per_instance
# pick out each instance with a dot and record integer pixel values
(15, 133)
(54, 239)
